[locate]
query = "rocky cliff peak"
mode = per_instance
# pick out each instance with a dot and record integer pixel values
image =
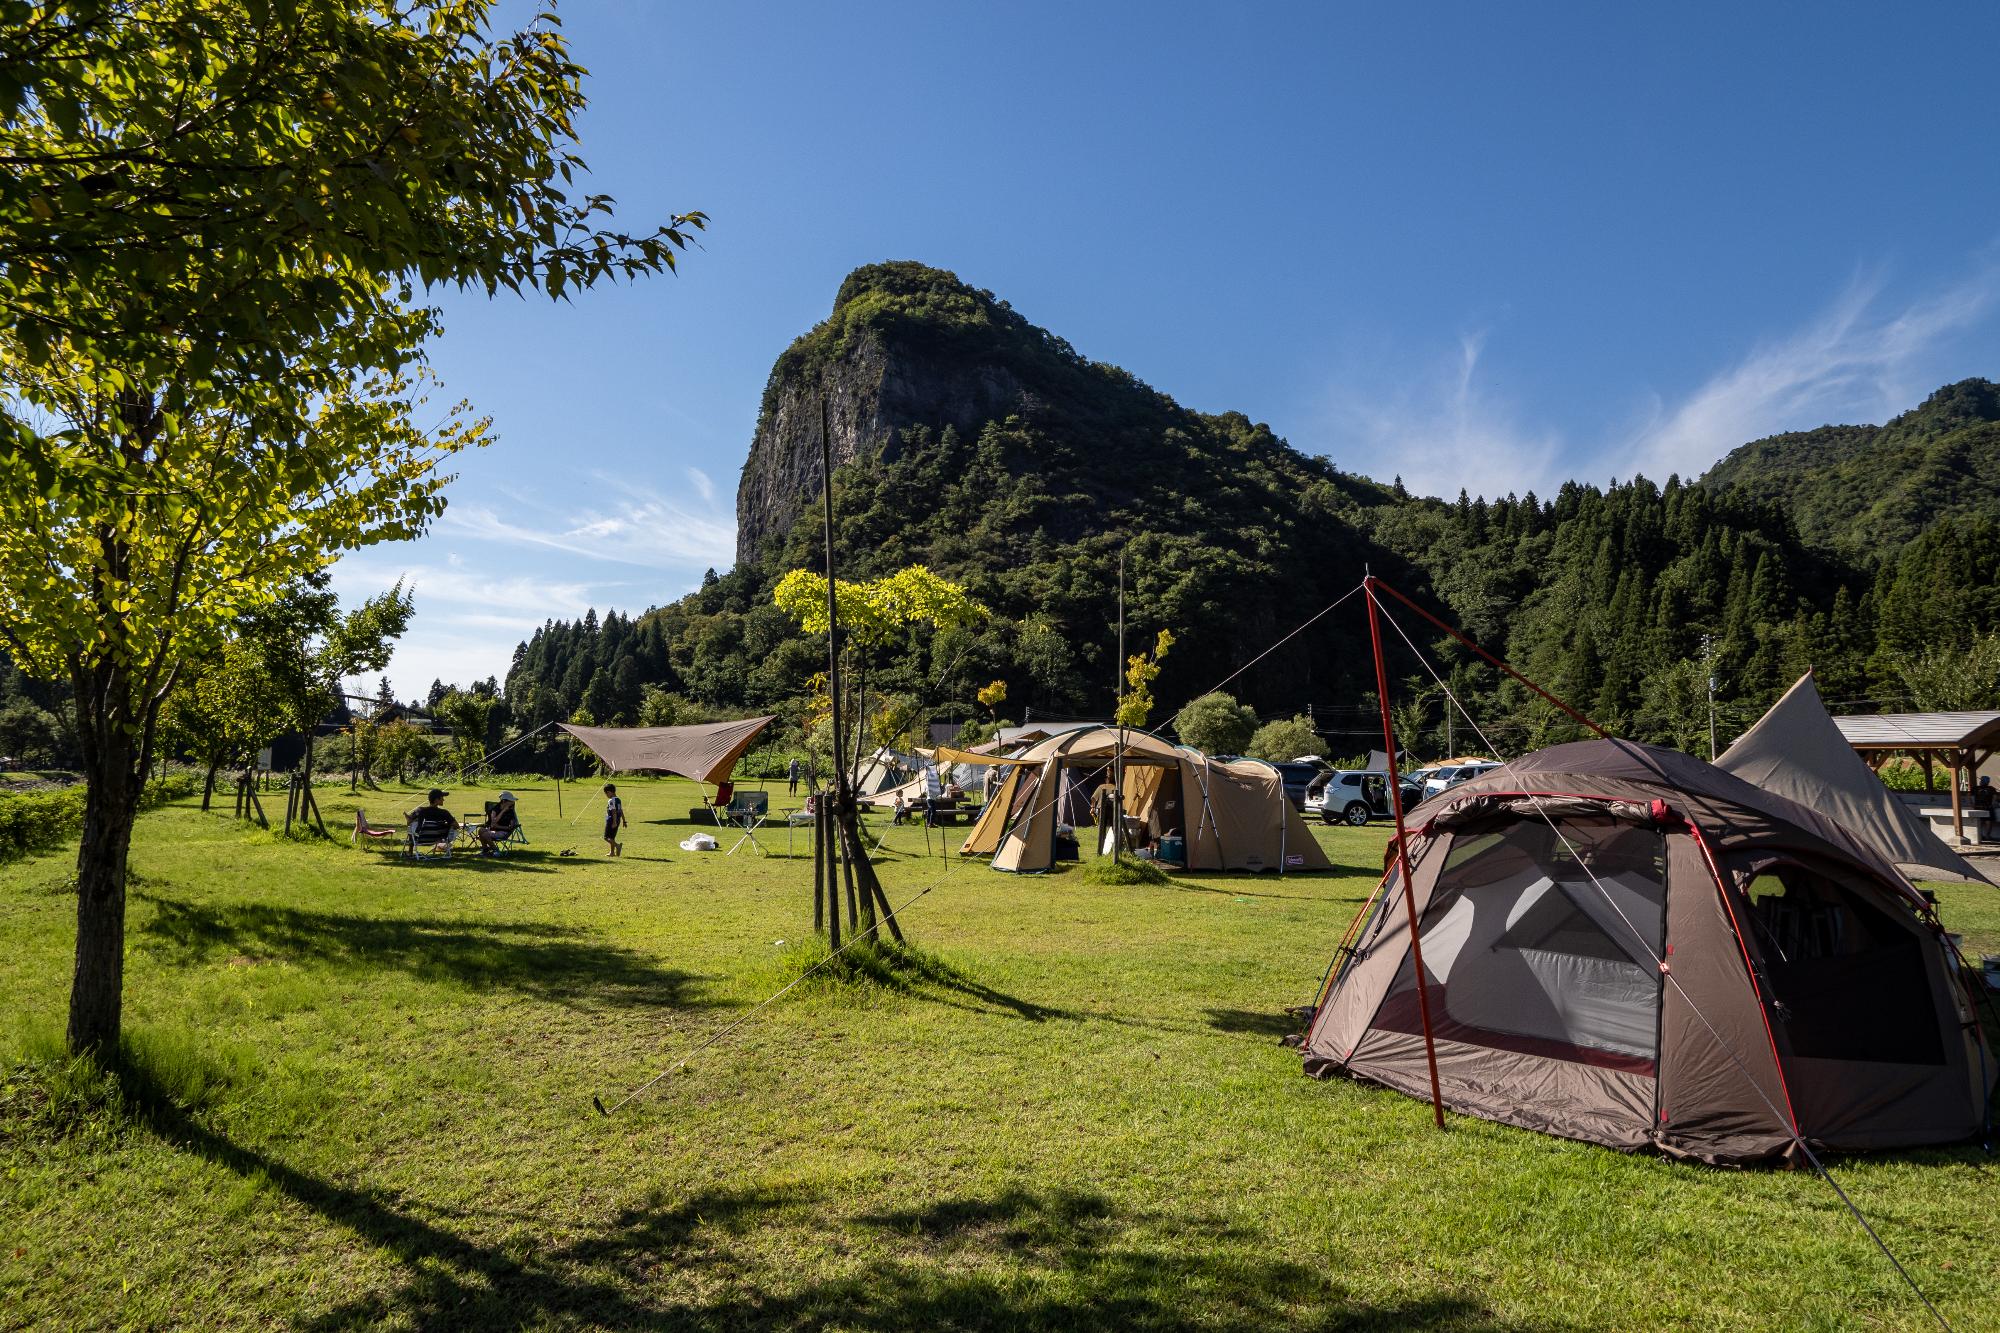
(905, 346)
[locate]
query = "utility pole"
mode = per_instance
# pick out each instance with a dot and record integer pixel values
(1117, 716)
(1708, 666)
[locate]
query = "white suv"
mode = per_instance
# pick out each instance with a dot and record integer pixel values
(1444, 779)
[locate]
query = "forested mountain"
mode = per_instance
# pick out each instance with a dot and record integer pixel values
(1869, 490)
(967, 439)
(993, 452)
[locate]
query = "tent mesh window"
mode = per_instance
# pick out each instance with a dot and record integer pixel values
(1544, 943)
(1845, 980)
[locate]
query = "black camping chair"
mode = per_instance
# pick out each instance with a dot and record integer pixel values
(430, 835)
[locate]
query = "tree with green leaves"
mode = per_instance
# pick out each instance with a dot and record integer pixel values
(307, 646)
(1215, 724)
(216, 221)
(1286, 738)
(223, 713)
(468, 713)
(875, 616)
(1135, 701)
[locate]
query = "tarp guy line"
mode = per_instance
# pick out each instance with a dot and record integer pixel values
(1790, 1129)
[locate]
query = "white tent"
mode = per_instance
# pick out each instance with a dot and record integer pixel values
(1796, 751)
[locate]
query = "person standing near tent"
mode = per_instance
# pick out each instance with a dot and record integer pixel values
(614, 819)
(792, 775)
(933, 792)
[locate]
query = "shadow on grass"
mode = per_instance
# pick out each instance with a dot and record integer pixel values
(549, 962)
(1016, 1260)
(914, 972)
(1253, 1022)
(1186, 887)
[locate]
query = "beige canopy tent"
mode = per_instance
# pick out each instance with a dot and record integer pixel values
(1797, 751)
(706, 752)
(1233, 816)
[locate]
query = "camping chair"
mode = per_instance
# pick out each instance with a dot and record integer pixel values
(364, 829)
(429, 839)
(469, 826)
(757, 802)
(749, 818)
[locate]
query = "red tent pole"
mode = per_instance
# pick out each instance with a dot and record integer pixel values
(1402, 846)
(1372, 582)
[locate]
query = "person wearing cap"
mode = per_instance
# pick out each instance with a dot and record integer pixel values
(433, 823)
(500, 824)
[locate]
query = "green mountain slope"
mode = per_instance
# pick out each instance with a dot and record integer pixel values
(967, 439)
(1870, 490)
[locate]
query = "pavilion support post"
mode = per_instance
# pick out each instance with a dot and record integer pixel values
(1957, 798)
(1402, 848)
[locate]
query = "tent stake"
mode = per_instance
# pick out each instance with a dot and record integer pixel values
(1402, 847)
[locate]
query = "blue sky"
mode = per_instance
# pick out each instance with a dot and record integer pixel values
(1489, 246)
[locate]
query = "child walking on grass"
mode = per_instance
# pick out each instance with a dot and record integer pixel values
(614, 819)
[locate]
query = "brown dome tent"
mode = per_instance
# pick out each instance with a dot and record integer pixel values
(1811, 992)
(1233, 815)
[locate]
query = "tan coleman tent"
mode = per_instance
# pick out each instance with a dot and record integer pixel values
(1796, 751)
(1234, 816)
(706, 752)
(1812, 995)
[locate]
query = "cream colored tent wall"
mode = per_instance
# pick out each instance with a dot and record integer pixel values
(1233, 816)
(1030, 843)
(1260, 829)
(984, 838)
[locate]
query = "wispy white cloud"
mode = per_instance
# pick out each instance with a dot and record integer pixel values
(1441, 430)
(1442, 427)
(467, 622)
(1853, 362)
(646, 530)
(703, 486)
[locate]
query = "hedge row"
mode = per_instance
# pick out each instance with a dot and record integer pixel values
(32, 821)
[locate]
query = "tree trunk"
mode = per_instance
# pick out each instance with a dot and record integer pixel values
(111, 803)
(208, 783)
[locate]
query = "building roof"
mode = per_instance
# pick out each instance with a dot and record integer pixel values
(1921, 731)
(1795, 751)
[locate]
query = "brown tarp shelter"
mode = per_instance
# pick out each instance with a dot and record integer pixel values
(706, 752)
(1796, 751)
(1234, 815)
(1814, 992)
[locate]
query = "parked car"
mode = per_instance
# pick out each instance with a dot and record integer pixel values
(1449, 776)
(1300, 778)
(1354, 796)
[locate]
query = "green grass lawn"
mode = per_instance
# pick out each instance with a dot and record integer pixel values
(366, 1101)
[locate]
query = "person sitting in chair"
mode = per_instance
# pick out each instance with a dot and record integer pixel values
(432, 823)
(499, 826)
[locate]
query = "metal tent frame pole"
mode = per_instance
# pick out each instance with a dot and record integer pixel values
(1370, 583)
